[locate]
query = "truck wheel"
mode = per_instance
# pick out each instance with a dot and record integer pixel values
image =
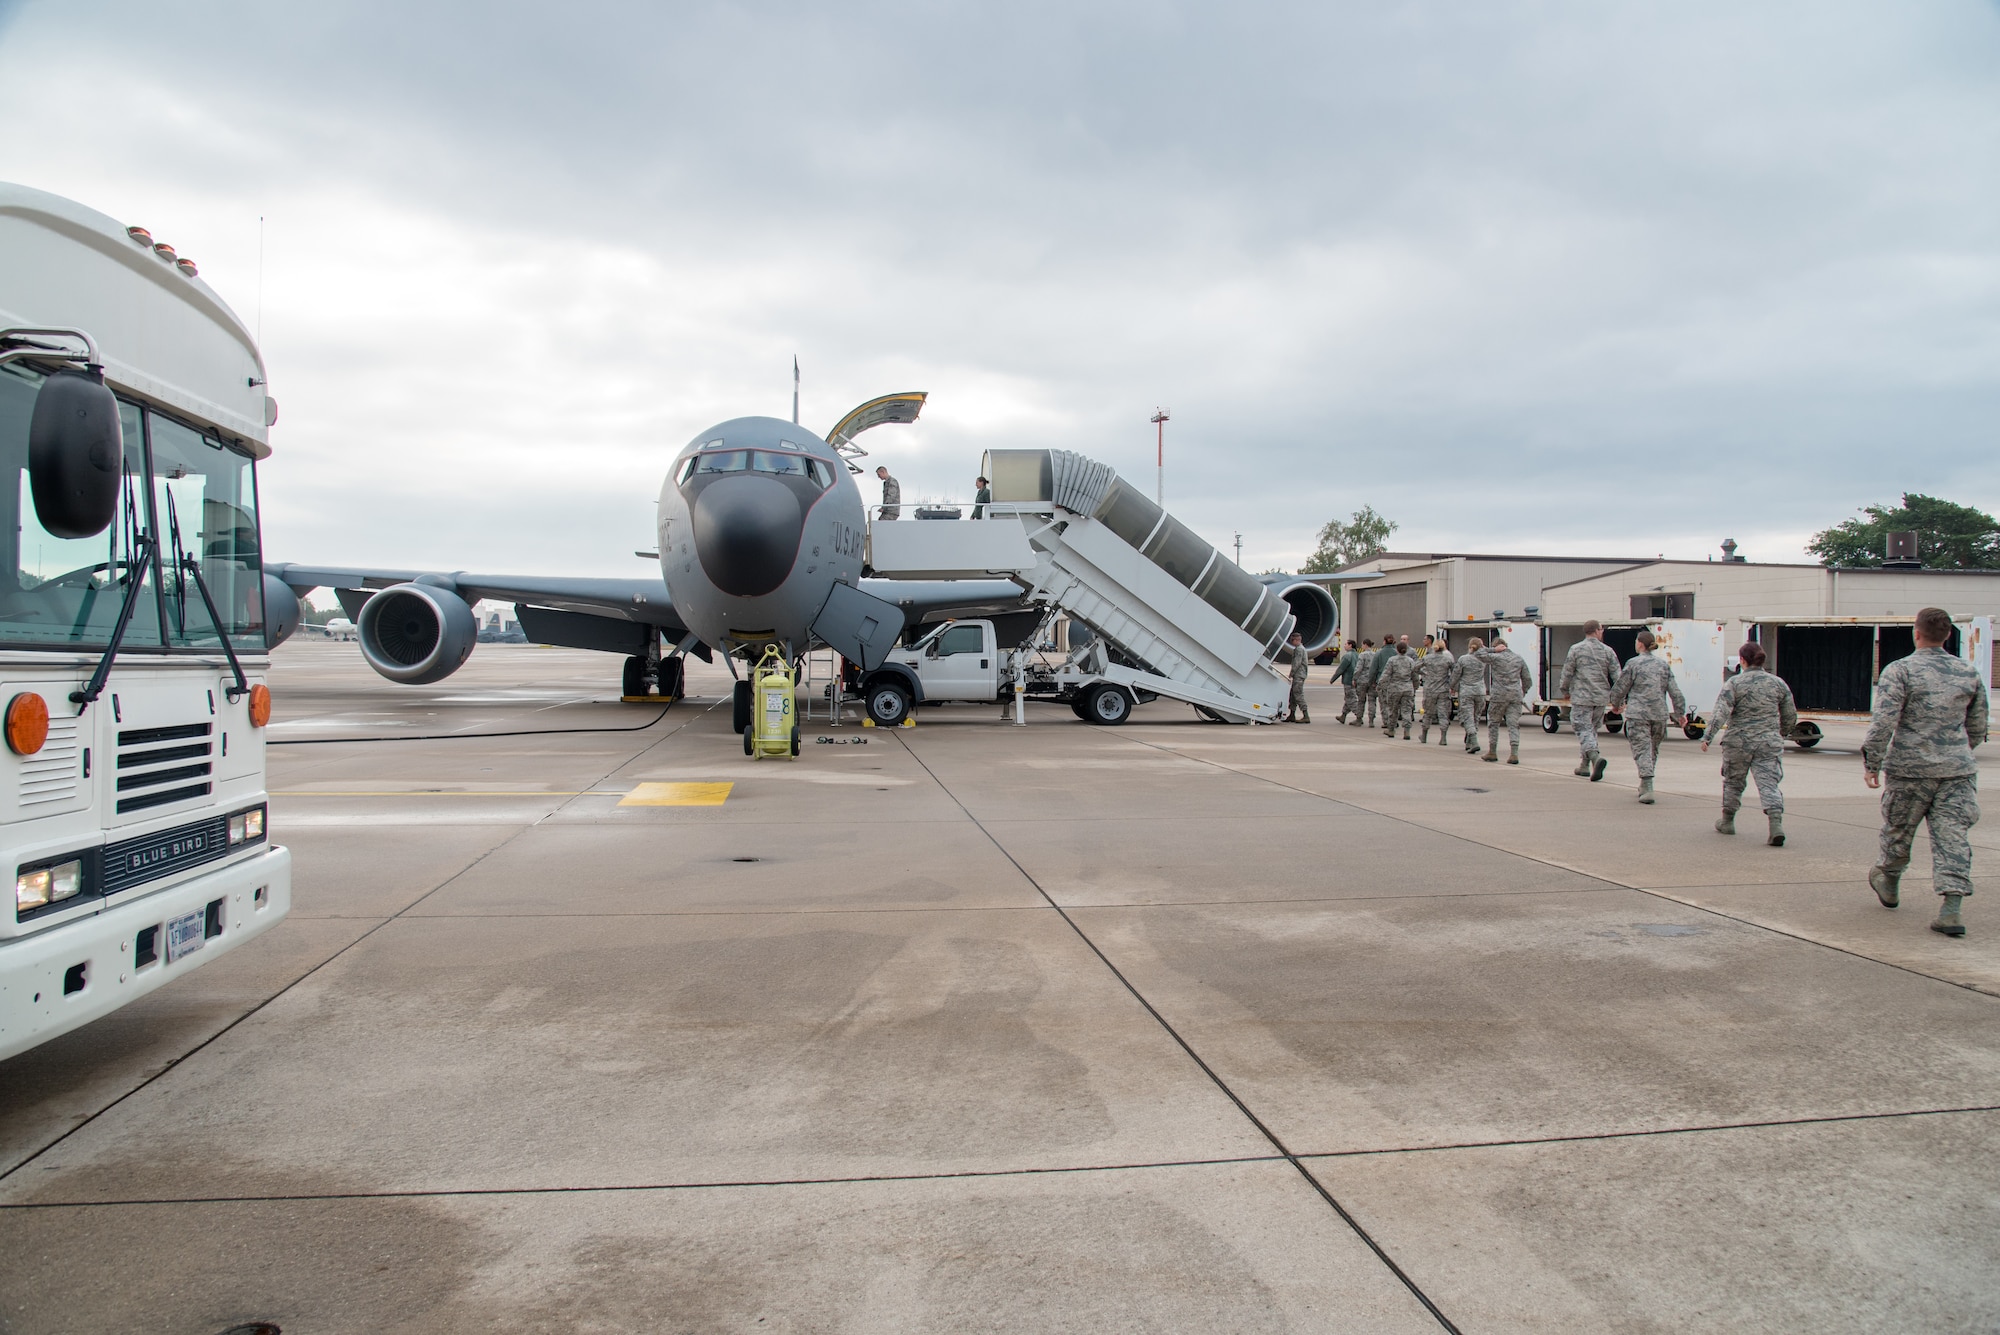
(637, 680)
(888, 704)
(1107, 705)
(742, 715)
(1552, 719)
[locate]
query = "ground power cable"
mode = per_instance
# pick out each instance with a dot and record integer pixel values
(1283, 1150)
(175, 1062)
(468, 736)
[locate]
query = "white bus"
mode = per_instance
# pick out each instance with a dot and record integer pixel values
(135, 625)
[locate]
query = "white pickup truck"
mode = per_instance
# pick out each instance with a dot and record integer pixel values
(962, 660)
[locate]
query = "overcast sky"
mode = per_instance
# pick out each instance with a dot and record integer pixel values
(1582, 278)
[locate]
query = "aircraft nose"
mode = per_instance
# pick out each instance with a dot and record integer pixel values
(746, 531)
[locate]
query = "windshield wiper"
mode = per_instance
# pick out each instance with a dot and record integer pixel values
(185, 565)
(148, 553)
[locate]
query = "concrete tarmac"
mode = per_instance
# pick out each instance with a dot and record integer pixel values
(1174, 1026)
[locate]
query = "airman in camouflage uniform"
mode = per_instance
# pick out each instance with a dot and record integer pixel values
(1753, 715)
(1930, 711)
(1301, 664)
(1343, 672)
(1435, 671)
(1590, 671)
(1397, 687)
(1650, 698)
(1468, 683)
(1382, 657)
(1508, 682)
(1364, 684)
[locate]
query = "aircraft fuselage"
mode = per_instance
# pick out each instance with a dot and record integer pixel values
(759, 518)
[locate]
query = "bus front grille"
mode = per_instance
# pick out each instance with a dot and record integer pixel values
(152, 766)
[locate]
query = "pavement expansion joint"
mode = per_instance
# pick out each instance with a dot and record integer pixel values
(617, 1188)
(1215, 1077)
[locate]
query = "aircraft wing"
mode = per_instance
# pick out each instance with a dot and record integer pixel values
(644, 601)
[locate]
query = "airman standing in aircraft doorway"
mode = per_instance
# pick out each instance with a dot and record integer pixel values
(892, 495)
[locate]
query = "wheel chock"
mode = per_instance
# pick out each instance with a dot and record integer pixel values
(868, 723)
(907, 722)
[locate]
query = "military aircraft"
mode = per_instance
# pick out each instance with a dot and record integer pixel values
(761, 541)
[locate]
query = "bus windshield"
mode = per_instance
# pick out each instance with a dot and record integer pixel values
(66, 593)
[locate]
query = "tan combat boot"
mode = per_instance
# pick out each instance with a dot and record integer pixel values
(1513, 755)
(1947, 918)
(1424, 735)
(1492, 753)
(1646, 791)
(1582, 770)
(1886, 886)
(1727, 825)
(1777, 819)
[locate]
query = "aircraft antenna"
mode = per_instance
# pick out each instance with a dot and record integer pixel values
(795, 389)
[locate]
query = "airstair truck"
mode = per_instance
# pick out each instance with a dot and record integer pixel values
(1170, 615)
(135, 620)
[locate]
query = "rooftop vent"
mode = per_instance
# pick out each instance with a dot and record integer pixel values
(1729, 551)
(1900, 552)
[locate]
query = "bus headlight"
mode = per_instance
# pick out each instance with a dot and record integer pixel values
(246, 826)
(47, 885)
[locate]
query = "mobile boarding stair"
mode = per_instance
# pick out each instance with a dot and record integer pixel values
(1083, 542)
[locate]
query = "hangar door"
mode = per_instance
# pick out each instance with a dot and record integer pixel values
(1396, 610)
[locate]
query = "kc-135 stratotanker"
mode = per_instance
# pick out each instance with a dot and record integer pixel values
(764, 545)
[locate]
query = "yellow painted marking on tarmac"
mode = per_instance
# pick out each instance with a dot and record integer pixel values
(677, 795)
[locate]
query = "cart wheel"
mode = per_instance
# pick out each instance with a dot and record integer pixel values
(748, 748)
(1551, 719)
(1807, 734)
(1614, 726)
(795, 739)
(1695, 729)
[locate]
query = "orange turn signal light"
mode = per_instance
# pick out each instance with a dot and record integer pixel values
(27, 723)
(260, 705)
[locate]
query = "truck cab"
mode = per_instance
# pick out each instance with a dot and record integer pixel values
(954, 660)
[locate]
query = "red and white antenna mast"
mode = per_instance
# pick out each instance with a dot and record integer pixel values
(1160, 420)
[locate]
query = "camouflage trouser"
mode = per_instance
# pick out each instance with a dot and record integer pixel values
(1740, 766)
(1646, 735)
(1588, 720)
(1437, 709)
(1368, 702)
(1509, 713)
(1951, 806)
(1399, 709)
(1471, 713)
(1299, 702)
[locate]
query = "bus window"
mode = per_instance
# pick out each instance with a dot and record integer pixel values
(205, 496)
(63, 591)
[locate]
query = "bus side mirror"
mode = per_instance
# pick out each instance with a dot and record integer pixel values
(76, 454)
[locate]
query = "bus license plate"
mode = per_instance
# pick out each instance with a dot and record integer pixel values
(184, 934)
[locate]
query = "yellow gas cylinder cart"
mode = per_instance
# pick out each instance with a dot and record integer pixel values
(774, 723)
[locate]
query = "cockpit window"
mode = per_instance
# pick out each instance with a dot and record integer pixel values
(759, 461)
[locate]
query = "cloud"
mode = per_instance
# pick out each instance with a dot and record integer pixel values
(1568, 277)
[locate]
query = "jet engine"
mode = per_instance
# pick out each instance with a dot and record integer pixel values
(281, 611)
(416, 633)
(1317, 616)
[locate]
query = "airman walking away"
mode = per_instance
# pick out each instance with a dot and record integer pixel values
(1364, 683)
(1382, 657)
(1343, 672)
(1650, 698)
(1468, 683)
(1753, 715)
(1397, 687)
(1508, 682)
(1590, 671)
(1301, 664)
(1436, 672)
(1930, 712)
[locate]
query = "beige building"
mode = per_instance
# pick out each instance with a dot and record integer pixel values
(1419, 591)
